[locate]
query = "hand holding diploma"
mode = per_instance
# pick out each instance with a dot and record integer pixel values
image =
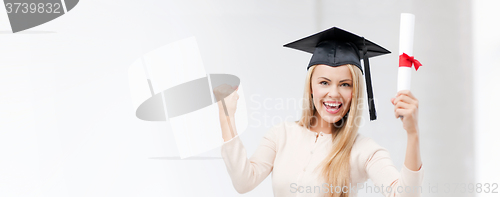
(406, 105)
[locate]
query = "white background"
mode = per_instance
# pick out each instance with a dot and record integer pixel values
(486, 91)
(67, 125)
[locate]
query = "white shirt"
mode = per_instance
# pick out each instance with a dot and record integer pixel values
(292, 152)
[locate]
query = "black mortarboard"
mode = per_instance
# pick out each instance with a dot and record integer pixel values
(336, 47)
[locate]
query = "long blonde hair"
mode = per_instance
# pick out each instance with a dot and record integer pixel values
(336, 166)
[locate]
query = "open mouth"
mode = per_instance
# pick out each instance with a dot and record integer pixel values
(332, 107)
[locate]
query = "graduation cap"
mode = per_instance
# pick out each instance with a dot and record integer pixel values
(336, 47)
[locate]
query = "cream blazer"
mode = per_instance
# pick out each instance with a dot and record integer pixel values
(292, 153)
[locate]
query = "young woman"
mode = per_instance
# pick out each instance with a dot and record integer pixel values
(322, 154)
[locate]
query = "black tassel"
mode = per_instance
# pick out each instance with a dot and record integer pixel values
(369, 90)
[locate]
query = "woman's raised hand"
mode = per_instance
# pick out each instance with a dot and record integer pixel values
(406, 105)
(230, 99)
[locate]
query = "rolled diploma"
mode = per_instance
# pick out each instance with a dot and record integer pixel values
(406, 28)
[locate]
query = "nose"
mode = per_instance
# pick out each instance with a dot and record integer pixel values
(333, 92)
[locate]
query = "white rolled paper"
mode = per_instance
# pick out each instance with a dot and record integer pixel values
(406, 29)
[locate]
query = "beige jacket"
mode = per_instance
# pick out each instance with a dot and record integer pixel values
(292, 152)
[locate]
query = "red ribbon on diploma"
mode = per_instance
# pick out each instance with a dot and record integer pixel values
(406, 61)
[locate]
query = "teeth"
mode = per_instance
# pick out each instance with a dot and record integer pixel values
(332, 105)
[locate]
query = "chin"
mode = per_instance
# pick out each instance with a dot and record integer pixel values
(331, 119)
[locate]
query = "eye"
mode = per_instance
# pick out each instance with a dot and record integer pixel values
(345, 85)
(323, 83)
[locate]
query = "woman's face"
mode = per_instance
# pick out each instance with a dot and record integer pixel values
(332, 91)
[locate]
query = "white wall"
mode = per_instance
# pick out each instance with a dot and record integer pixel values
(486, 92)
(68, 127)
(66, 120)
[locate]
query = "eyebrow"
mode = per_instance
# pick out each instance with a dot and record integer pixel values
(340, 80)
(324, 78)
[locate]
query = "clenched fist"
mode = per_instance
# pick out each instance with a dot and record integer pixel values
(230, 97)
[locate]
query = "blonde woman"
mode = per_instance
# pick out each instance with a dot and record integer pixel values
(322, 154)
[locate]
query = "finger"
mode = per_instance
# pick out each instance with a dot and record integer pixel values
(406, 99)
(407, 93)
(400, 112)
(402, 92)
(409, 100)
(228, 91)
(223, 86)
(396, 114)
(403, 98)
(392, 100)
(235, 95)
(404, 112)
(402, 105)
(223, 89)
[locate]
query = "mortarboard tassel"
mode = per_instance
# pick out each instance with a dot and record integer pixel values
(369, 90)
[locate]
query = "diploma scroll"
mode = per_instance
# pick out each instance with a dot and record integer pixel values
(406, 31)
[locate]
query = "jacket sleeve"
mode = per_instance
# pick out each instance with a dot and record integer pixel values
(245, 173)
(394, 183)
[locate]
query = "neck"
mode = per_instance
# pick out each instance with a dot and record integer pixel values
(320, 125)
